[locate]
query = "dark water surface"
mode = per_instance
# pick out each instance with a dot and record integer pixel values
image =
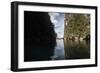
(64, 50)
(68, 49)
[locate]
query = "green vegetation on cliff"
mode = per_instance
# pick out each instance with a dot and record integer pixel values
(77, 26)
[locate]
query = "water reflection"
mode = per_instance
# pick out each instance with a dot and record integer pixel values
(59, 52)
(69, 49)
(65, 49)
(77, 49)
(38, 54)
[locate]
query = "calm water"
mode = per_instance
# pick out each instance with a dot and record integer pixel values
(65, 49)
(68, 49)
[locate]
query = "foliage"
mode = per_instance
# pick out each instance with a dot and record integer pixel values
(77, 25)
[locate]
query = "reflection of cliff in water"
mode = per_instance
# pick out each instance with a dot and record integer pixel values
(77, 49)
(69, 49)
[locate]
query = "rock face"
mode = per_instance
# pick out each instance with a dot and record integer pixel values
(39, 36)
(77, 26)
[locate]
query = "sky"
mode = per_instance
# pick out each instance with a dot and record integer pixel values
(58, 20)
